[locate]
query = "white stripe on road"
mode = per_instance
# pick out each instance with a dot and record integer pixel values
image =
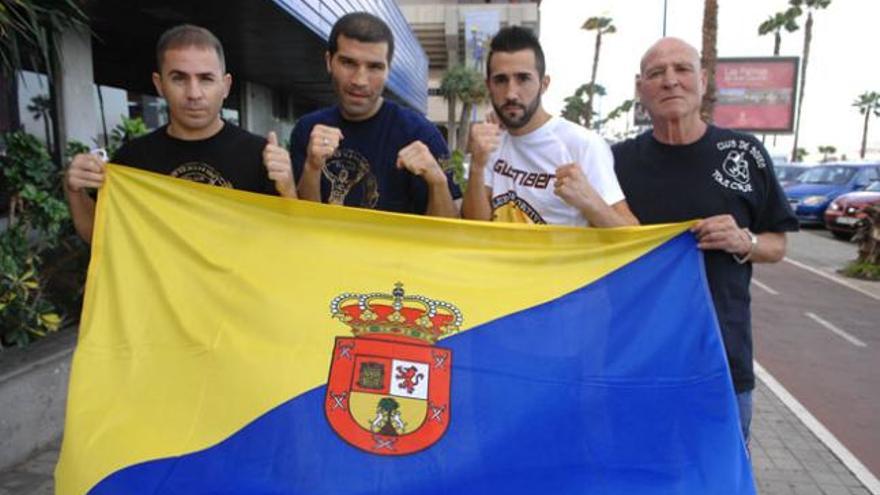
(831, 277)
(849, 338)
(764, 286)
(826, 437)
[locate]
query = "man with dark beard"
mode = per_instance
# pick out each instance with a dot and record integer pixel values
(539, 169)
(366, 151)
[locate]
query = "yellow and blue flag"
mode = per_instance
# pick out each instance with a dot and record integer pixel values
(238, 343)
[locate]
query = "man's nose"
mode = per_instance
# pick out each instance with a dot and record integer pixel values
(512, 93)
(193, 89)
(359, 77)
(669, 78)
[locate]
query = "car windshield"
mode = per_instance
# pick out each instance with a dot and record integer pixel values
(828, 174)
(788, 173)
(873, 186)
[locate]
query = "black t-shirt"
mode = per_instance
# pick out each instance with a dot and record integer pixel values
(724, 172)
(231, 158)
(363, 171)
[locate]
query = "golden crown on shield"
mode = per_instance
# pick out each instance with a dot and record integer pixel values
(379, 313)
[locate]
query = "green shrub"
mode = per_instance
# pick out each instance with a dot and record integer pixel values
(38, 234)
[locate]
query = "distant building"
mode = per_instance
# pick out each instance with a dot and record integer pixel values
(445, 29)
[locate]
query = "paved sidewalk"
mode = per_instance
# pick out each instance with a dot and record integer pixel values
(788, 459)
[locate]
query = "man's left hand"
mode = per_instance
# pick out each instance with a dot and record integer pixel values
(418, 160)
(722, 233)
(277, 162)
(572, 186)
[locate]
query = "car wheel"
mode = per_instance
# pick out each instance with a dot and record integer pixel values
(844, 236)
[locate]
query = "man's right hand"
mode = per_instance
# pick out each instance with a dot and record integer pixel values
(323, 142)
(484, 139)
(85, 171)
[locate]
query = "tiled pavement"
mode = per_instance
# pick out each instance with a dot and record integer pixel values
(787, 458)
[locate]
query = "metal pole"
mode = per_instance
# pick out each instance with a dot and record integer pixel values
(664, 17)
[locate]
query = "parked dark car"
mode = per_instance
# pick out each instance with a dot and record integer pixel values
(789, 173)
(845, 213)
(821, 184)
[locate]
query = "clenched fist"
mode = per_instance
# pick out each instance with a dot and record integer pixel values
(484, 139)
(323, 142)
(416, 157)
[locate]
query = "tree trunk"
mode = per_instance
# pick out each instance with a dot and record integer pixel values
(865, 133)
(808, 35)
(47, 128)
(588, 109)
(9, 104)
(451, 128)
(103, 116)
(463, 126)
(777, 44)
(55, 109)
(710, 54)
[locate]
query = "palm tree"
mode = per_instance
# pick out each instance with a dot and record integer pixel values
(464, 84)
(710, 55)
(776, 23)
(40, 107)
(827, 152)
(602, 25)
(575, 109)
(868, 103)
(810, 5)
(800, 154)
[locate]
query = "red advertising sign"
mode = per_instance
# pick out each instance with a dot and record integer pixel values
(756, 94)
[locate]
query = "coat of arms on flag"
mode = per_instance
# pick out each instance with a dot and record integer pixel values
(388, 391)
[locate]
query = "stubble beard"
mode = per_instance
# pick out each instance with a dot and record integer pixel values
(528, 112)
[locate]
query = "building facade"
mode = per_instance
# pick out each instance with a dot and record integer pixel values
(456, 32)
(274, 50)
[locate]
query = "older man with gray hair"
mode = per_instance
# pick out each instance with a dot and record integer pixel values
(684, 168)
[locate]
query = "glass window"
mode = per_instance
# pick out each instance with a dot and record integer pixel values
(829, 174)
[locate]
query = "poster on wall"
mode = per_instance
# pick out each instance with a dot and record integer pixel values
(479, 28)
(756, 94)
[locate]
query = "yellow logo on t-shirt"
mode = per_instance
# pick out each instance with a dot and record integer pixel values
(508, 207)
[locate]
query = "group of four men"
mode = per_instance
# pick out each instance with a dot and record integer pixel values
(527, 166)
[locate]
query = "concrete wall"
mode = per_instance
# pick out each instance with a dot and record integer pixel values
(33, 394)
(258, 115)
(76, 92)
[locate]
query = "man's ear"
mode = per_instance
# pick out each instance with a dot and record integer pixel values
(227, 83)
(327, 58)
(157, 83)
(545, 83)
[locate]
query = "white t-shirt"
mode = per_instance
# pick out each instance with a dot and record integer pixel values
(521, 173)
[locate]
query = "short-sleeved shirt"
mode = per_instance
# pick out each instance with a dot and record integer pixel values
(522, 170)
(724, 172)
(363, 170)
(231, 158)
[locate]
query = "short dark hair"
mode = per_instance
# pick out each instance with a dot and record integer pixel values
(513, 39)
(363, 27)
(186, 35)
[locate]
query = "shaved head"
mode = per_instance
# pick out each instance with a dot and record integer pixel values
(671, 84)
(664, 45)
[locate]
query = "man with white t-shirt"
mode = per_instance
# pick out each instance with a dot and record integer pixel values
(540, 169)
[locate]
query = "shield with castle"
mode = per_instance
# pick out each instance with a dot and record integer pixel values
(388, 391)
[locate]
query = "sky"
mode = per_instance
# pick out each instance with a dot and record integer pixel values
(843, 61)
